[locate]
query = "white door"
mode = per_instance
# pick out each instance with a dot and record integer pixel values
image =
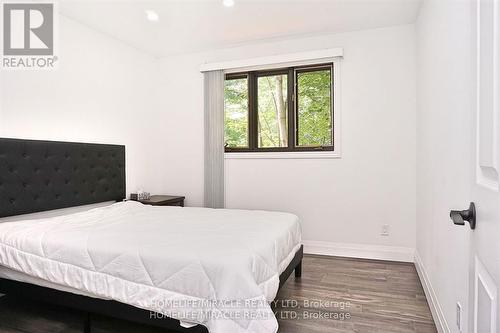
(485, 190)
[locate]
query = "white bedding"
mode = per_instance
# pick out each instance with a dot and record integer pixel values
(10, 274)
(219, 268)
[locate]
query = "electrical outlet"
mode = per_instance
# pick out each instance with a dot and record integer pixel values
(385, 230)
(459, 317)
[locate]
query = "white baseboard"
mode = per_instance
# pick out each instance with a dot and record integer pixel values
(377, 252)
(430, 294)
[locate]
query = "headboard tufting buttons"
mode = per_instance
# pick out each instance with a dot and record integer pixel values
(44, 175)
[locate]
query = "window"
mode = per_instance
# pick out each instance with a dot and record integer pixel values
(236, 112)
(272, 110)
(287, 110)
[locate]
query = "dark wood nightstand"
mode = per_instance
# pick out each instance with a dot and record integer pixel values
(164, 200)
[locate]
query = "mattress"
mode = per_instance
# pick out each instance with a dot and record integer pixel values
(215, 267)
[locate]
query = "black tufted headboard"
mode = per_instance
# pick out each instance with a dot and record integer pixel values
(37, 176)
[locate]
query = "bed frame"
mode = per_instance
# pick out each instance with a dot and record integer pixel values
(38, 176)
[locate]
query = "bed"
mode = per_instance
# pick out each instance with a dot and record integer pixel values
(186, 269)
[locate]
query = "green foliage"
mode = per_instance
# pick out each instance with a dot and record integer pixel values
(236, 113)
(314, 109)
(269, 100)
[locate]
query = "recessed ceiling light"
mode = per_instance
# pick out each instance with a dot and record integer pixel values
(228, 3)
(152, 15)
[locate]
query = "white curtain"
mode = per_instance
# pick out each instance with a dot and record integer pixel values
(214, 139)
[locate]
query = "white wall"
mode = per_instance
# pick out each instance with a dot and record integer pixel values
(102, 92)
(339, 200)
(444, 114)
(107, 92)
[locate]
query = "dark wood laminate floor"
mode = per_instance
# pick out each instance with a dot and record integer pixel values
(335, 295)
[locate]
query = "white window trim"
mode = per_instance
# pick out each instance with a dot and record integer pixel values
(298, 155)
(282, 60)
(337, 137)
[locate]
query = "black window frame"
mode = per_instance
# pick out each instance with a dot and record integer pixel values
(292, 98)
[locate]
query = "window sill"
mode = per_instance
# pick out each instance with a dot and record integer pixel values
(284, 155)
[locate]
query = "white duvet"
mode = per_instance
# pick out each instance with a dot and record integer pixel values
(218, 268)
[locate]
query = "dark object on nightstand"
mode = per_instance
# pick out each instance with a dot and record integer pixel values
(164, 200)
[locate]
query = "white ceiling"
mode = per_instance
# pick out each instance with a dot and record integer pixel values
(190, 26)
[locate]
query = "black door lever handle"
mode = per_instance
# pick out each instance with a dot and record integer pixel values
(460, 216)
